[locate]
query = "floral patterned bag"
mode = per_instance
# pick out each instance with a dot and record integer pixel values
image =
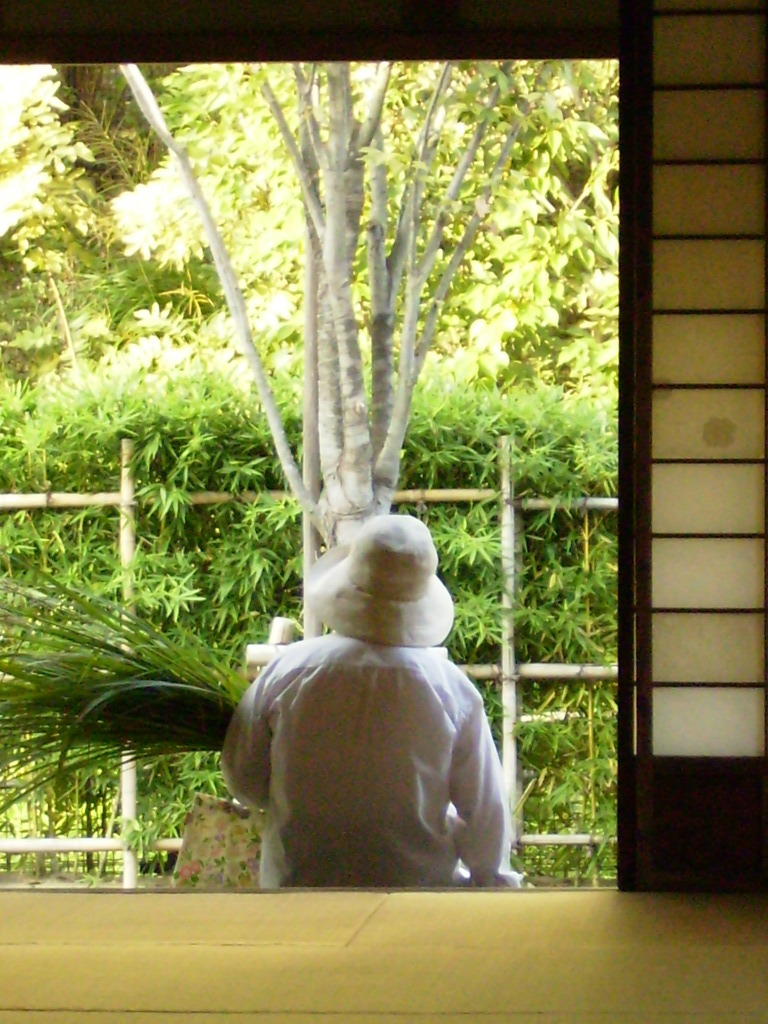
(220, 847)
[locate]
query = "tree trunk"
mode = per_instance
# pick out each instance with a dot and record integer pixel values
(310, 431)
(356, 449)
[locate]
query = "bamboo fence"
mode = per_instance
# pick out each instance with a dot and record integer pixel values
(509, 672)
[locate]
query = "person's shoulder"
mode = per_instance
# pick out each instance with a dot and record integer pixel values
(291, 662)
(301, 651)
(436, 666)
(441, 659)
(463, 683)
(318, 650)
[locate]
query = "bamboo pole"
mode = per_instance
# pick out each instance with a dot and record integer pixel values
(57, 499)
(281, 631)
(110, 824)
(592, 797)
(77, 844)
(127, 552)
(446, 494)
(546, 670)
(564, 839)
(508, 672)
(86, 844)
(258, 655)
(569, 504)
(410, 495)
(64, 499)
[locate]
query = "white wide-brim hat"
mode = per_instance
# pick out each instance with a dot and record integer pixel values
(382, 587)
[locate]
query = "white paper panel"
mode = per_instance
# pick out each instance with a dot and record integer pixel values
(709, 574)
(710, 49)
(708, 200)
(708, 647)
(719, 498)
(708, 274)
(708, 424)
(708, 722)
(701, 125)
(701, 349)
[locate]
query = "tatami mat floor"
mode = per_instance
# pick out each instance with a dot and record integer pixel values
(528, 957)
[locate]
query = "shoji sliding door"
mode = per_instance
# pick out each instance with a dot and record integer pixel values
(701, 446)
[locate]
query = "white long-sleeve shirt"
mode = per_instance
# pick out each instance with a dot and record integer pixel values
(376, 767)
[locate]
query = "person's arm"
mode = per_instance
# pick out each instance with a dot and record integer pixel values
(245, 758)
(483, 834)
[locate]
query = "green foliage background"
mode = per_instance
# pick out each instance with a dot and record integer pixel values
(226, 570)
(113, 326)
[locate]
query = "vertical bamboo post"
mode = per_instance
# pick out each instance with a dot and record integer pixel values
(127, 551)
(508, 664)
(592, 805)
(280, 631)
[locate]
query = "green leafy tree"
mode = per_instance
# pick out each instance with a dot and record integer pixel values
(42, 186)
(71, 138)
(411, 161)
(45, 213)
(539, 296)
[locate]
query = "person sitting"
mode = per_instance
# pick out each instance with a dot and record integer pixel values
(368, 748)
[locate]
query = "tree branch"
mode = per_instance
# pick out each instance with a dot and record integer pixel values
(400, 245)
(404, 254)
(452, 192)
(151, 111)
(376, 97)
(482, 204)
(387, 464)
(382, 324)
(329, 418)
(309, 120)
(322, 441)
(66, 333)
(310, 417)
(338, 252)
(311, 201)
(413, 352)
